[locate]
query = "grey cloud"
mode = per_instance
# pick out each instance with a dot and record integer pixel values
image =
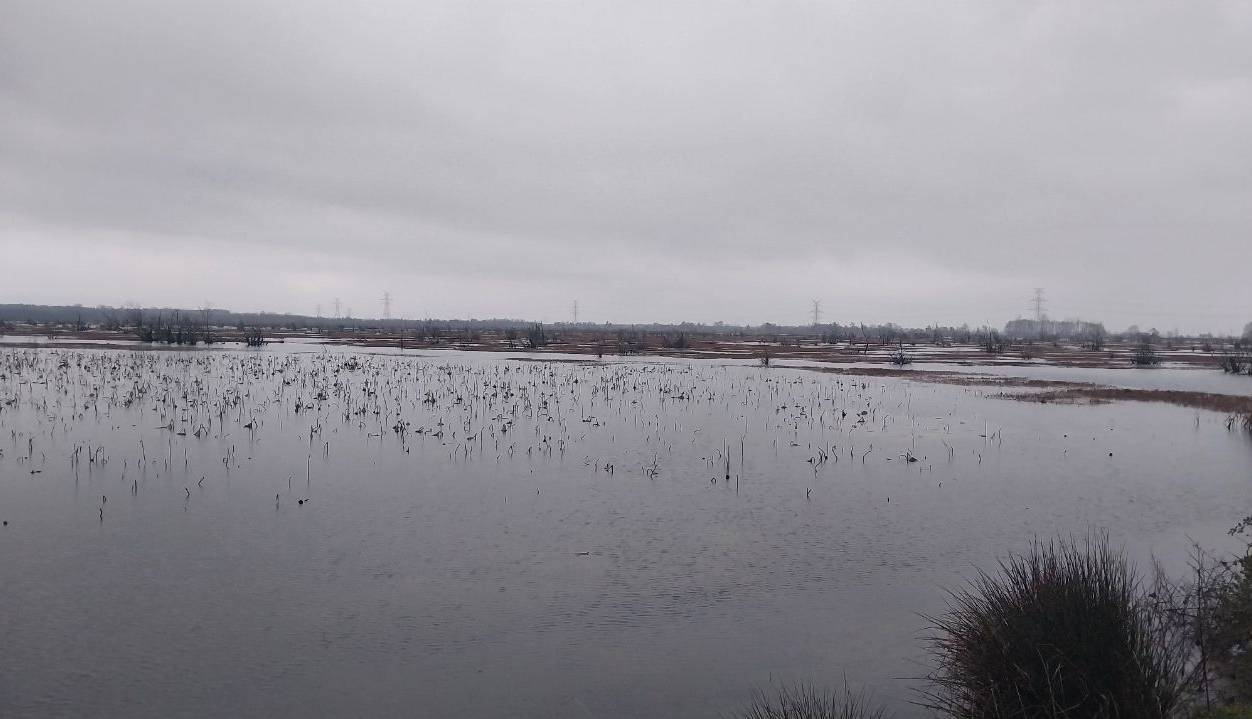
(641, 153)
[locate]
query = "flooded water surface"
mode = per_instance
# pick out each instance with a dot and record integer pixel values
(311, 532)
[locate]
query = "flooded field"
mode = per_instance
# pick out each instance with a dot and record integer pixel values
(302, 531)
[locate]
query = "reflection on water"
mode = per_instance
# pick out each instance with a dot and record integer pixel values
(486, 537)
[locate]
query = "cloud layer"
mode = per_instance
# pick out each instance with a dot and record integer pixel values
(908, 162)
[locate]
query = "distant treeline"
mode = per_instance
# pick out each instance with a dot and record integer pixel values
(112, 318)
(116, 318)
(1061, 329)
(162, 321)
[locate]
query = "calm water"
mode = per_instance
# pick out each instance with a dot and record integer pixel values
(487, 537)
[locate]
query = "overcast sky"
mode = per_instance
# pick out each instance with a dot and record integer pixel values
(914, 162)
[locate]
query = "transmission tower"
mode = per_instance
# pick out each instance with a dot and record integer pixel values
(319, 311)
(817, 312)
(386, 305)
(1039, 304)
(575, 311)
(337, 308)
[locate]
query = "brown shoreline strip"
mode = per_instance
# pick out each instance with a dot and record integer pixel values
(946, 377)
(1226, 403)
(1060, 391)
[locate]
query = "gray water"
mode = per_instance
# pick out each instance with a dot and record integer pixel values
(487, 537)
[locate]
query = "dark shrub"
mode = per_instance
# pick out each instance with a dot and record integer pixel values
(1226, 587)
(1065, 631)
(1237, 363)
(1145, 356)
(536, 336)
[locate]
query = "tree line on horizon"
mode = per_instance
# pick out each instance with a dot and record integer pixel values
(164, 320)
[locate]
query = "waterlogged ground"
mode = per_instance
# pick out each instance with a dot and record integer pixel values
(486, 537)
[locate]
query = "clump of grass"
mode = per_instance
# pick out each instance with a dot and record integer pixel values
(805, 702)
(1065, 631)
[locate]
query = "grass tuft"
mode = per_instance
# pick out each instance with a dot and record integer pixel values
(804, 702)
(1062, 632)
